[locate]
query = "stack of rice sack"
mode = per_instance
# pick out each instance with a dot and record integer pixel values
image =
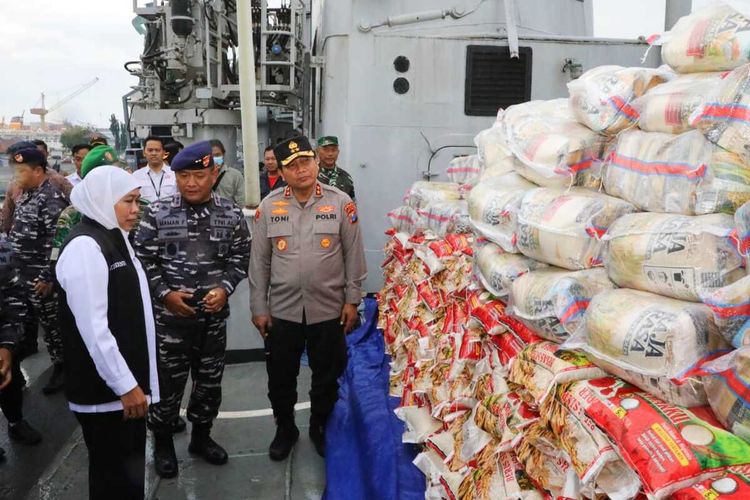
(592, 354)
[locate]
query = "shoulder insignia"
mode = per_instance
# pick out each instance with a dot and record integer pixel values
(318, 190)
(287, 192)
(351, 212)
(257, 214)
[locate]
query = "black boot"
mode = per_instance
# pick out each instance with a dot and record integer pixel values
(23, 433)
(202, 445)
(165, 459)
(179, 425)
(56, 380)
(283, 442)
(318, 433)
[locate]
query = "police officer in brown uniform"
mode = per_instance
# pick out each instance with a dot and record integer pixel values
(306, 271)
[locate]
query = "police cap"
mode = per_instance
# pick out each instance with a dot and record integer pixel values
(194, 157)
(291, 149)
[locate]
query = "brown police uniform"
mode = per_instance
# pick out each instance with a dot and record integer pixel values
(306, 263)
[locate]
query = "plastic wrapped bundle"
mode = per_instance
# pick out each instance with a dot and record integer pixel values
(725, 117)
(728, 389)
(564, 228)
(405, 219)
(464, 170)
(667, 108)
(658, 172)
(602, 97)
(678, 256)
(734, 484)
(742, 222)
(424, 193)
(552, 301)
(495, 158)
(497, 269)
(554, 150)
(731, 308)
(443, 217)
(648, 334)
(493, 207)
(727, 185)
(711, 39)
(668, 447)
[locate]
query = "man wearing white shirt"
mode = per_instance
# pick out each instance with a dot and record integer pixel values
(79, 153)
(156, 179)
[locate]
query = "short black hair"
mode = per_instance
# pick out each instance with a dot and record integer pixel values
(154, 138)
(216, 143)
(172, 148)
(39, 142)
(268, 148)
(79, 147)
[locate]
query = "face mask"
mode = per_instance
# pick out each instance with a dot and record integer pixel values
(218, 160)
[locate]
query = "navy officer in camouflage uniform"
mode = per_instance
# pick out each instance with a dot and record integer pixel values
(195, 247)
(12, 315)
(306, 277)
(34, 226)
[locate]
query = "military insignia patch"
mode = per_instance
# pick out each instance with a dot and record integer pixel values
(326, 209)
(279, 211)
(281, 244)
(206, 160)
(351, 212)
(293, 147)
(287, 192)
(325, 243)
(280, 203)
(318, 190)
(108, 156)
(257, 214)
(18, 158)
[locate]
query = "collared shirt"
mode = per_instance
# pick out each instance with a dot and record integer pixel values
(86, 290)
(74, 178)
(338, 178)
(156, 186)
(307, 258)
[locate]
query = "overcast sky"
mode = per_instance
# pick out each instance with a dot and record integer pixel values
(57, 45)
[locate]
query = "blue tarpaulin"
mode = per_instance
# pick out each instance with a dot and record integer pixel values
(365, 458)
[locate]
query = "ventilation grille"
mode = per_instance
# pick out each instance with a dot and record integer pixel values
(494, 80)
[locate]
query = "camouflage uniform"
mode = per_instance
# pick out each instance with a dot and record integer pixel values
(339, 178)
(191, 248)
(12, 304)
(31, 237)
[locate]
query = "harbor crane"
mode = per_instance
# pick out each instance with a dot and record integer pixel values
(43, 112)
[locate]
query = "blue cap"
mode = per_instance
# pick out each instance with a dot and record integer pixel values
(31, 156)
(18, 146)
(194, 157)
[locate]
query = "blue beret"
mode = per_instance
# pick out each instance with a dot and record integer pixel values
(30, 156)
(194, 157)
(18, 146)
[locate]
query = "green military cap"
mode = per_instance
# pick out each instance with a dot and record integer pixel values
(98, 156)
(328, 140)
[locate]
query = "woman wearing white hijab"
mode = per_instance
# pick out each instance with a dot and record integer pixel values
(108, 333)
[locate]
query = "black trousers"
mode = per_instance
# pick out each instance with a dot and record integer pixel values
(326, 351)
(11, 398)
(117, 455)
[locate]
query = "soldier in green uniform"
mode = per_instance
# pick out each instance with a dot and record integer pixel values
(330, 173)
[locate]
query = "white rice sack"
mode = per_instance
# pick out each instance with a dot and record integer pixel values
(554, 150)
(493, 207)
(728, 389)
(648, 334)
(494, 155)
(451, 216)
(667, 108)
(405, 220)
(564, 228)
(725, 116)
(424, 193)
(496, 269)
(464, 170)
(602, 97)
(677, 256)
(712, 39)
(727, 184)
(731, 308)
(552, 301)
(658, 172)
